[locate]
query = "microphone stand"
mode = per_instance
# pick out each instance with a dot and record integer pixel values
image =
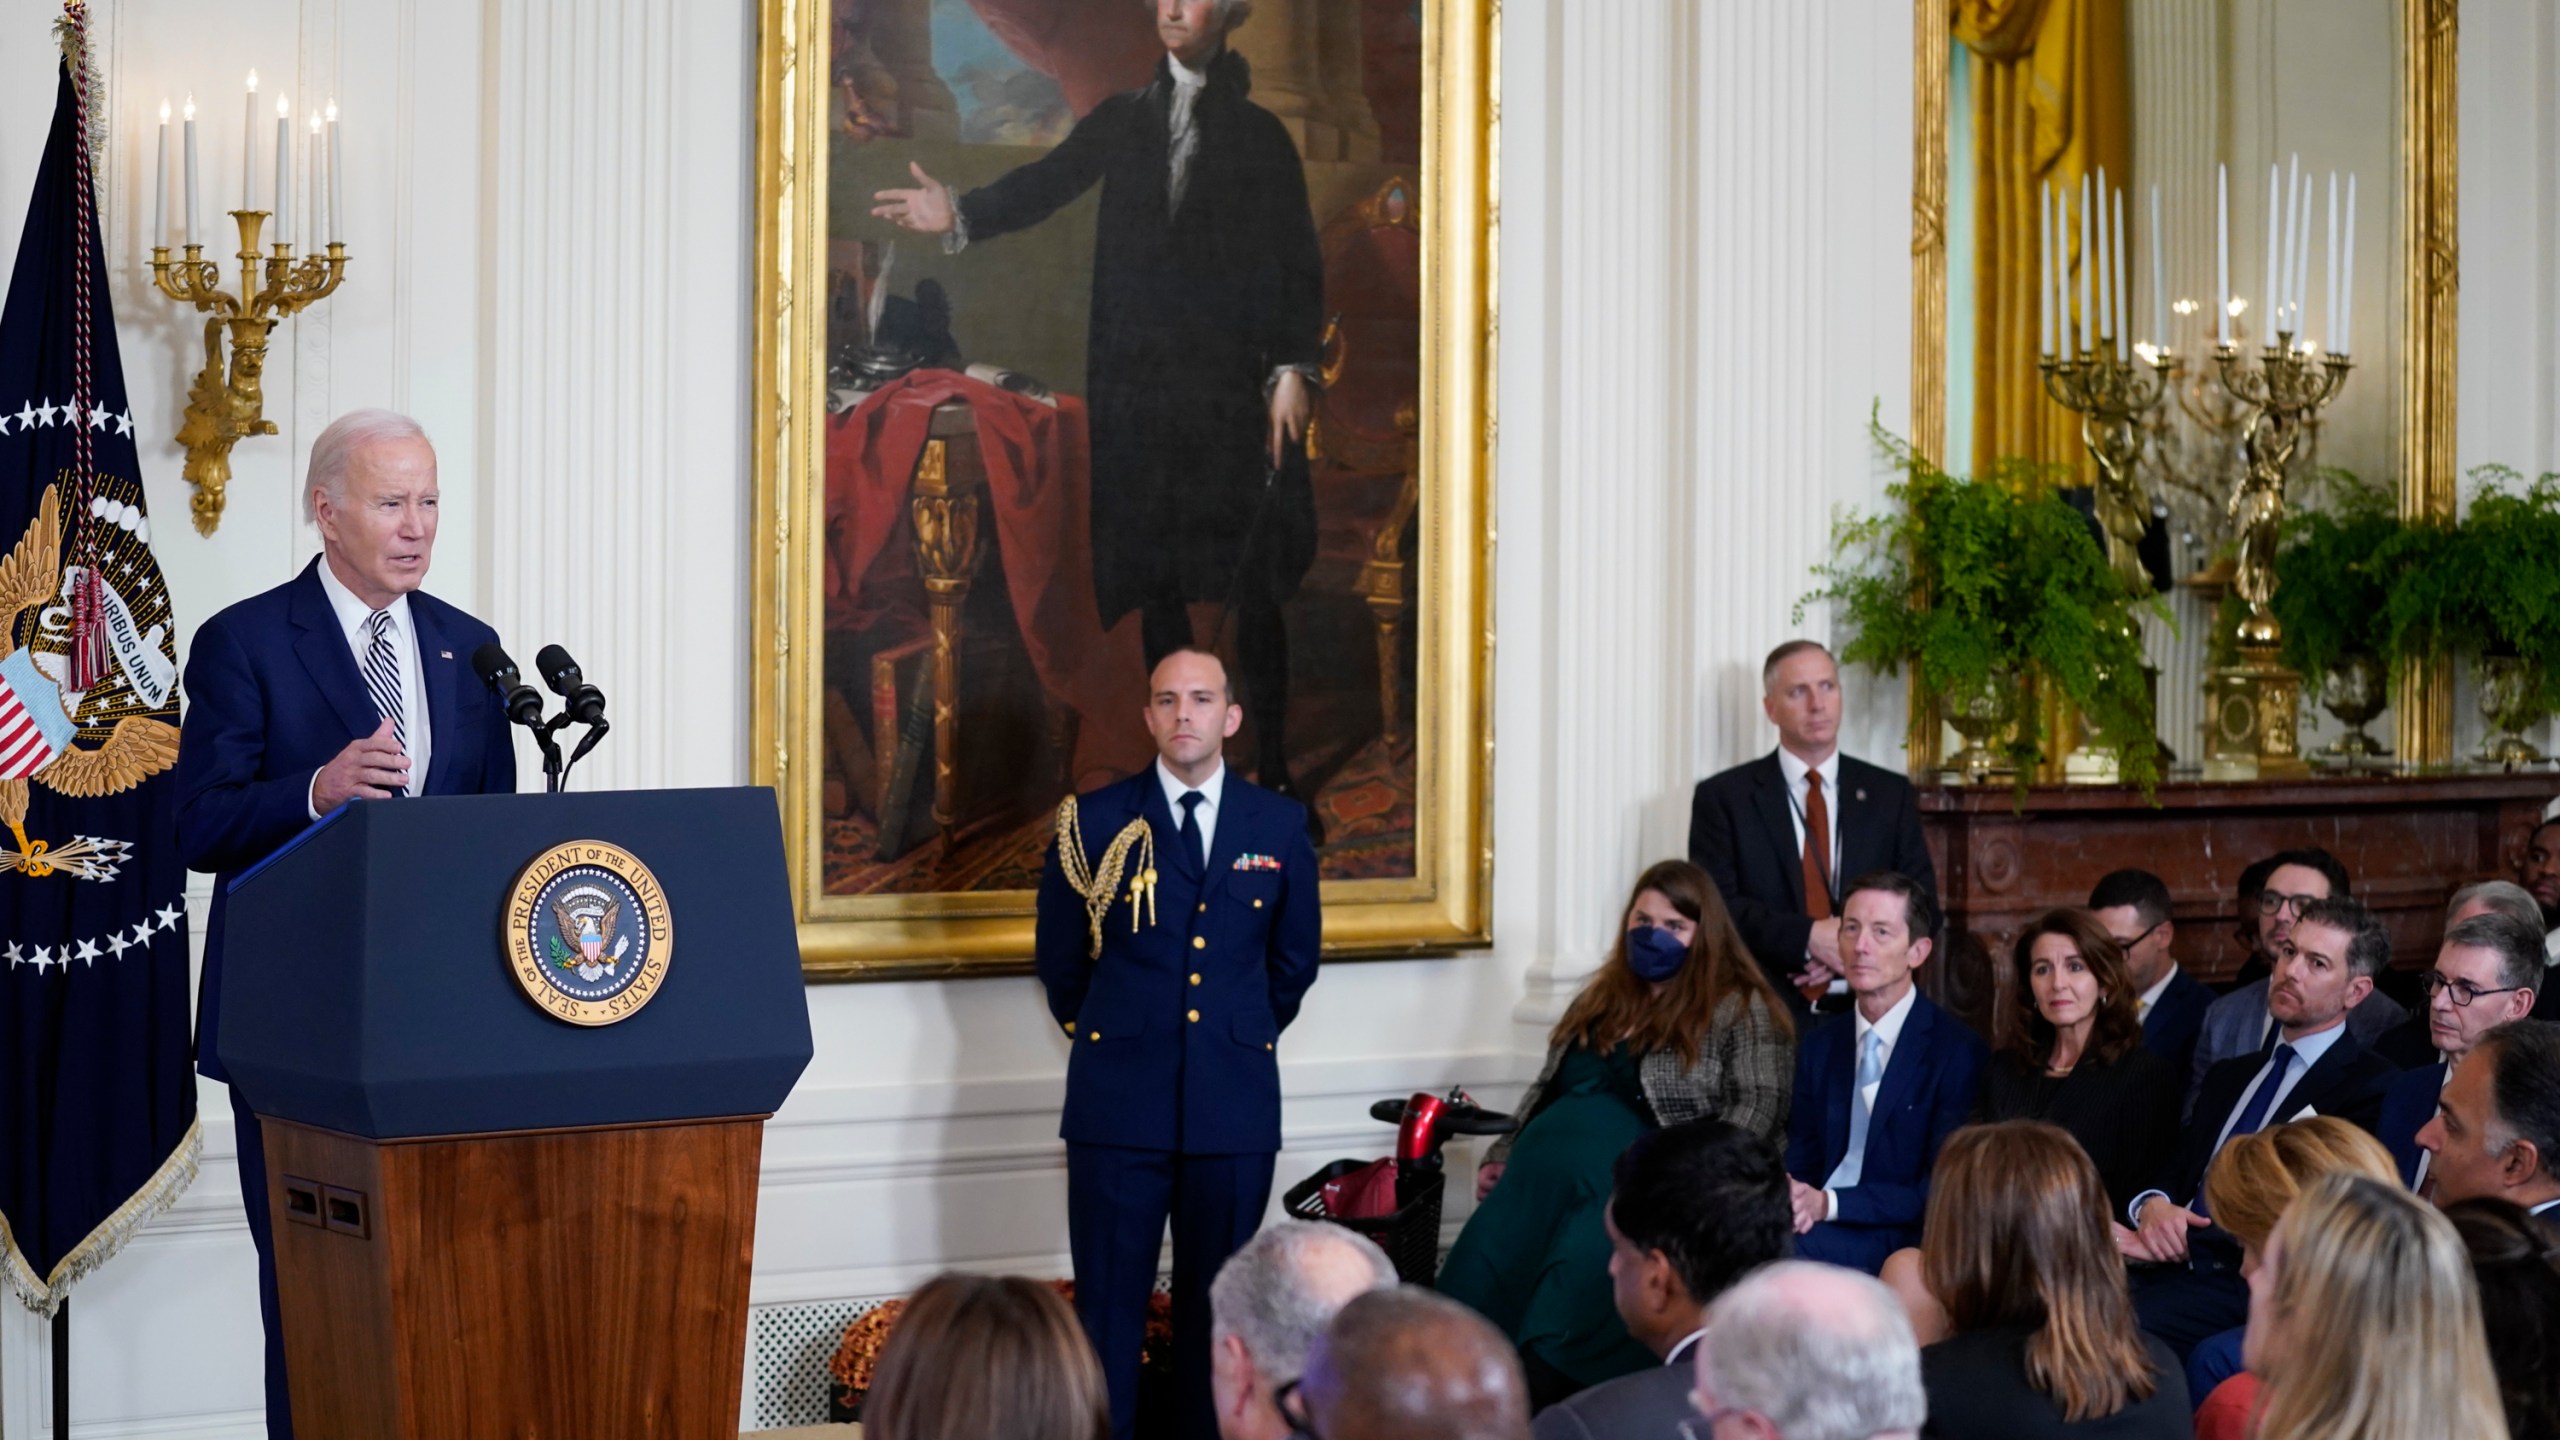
(555, 775)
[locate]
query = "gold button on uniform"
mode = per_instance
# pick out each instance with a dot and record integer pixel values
(1257, 904)
(1195, 979)
(1266, 1044)
(1199, 942)
(1096, 1035)
(1204, 908)
(1195, 1017)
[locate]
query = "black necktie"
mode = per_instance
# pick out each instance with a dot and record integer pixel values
(1189, 830)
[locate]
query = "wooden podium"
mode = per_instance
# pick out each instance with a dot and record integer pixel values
(490, 1221)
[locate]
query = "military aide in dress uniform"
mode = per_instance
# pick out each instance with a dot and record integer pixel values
(1178, 930)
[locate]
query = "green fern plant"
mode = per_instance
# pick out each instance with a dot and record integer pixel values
(2333, 591)
(1966, 579)
(2489, 586)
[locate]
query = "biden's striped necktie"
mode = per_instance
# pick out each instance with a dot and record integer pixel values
(382, 675)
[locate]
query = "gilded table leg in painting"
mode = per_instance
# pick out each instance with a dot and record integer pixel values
(1382, 584)
(947, 499)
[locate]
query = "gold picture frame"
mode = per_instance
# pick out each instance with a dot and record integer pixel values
(1444, 903)
(2428, 29)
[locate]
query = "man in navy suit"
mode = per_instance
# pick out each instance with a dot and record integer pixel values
(1778, 834)
(2189, 1286)
(1879, 1089)
(345, 683)
(2488, 972)
(2134, 906)
(2240, 1025)
(1174, 940)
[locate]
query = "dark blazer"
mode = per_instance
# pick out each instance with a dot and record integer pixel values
(2411, 1044)
(1191, 311)
(1176, 1024)
(1978, 1390)
(273, 694)
(2235, 1027)
(2176, 1018)
(1927, 1092)
(1649, 1404)
(2124, 1113)
(1742, 833)
(2407, 1106)
(2348, 1082)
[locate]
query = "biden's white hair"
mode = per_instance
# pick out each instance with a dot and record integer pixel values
(338, 445)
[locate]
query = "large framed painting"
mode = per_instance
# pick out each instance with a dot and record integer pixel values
(1091, 328)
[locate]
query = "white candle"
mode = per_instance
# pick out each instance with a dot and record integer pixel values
(191, 169)
(2302, 260)
(2044, 270)
(2331, 314)
(2106, 269)
(2159, 285)
(2115, 260)
(2222, 253)
(284, 171)
(314, 182)
(2347, 289)
(160, 185)
(337, 181)
(2267, 301)
(2088, 306)
(2058, 288)
(249, 149)
(2293, 244)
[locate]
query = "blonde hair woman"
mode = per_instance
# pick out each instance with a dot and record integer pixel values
(2364, 1322)
(2252, 1181)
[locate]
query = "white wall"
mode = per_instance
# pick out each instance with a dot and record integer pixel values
(1705, 271)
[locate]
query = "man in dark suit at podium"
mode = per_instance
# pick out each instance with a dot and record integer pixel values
(1178, 929)
(1780, 835)
(344, 683)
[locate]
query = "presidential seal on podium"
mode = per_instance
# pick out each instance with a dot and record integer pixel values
(588, 933)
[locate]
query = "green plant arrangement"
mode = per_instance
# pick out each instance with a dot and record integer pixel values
(2333, 598)
(2489, 588)
(1981, 583)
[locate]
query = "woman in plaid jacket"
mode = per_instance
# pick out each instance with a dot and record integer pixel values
(1678, 1023)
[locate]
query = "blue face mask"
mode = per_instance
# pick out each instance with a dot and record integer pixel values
(1654, 954)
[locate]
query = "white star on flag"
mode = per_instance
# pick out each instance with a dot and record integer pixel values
(26, 416)
(14, 958)
(44, 412)
(42, 959)
(97, 417)
(142, 934)
(88, 953)
(124, 423)
(116, 943)
(169, 917)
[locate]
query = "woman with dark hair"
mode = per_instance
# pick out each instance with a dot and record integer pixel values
(2018, 1254)
(2515, 1258)
(2072, 1054)
(1677, 1023)
(980, 1357)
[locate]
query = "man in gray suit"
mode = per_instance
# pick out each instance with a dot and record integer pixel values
(1695, 1206)
(2238, 1023)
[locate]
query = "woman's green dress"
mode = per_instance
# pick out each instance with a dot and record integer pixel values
(1534, 1257)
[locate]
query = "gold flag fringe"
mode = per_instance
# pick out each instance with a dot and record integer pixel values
(45, 1294)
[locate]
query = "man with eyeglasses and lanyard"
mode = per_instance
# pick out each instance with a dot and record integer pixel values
(2238, 1024)
(2485, 975)
(2134, 906)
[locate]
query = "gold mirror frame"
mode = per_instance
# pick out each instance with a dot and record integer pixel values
(1447, 903)
(2423, 703)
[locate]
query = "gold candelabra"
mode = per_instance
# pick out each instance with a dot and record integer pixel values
(2111, 397)
(2256, 704)
(228, 401)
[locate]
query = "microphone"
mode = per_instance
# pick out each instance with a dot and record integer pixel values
(585, 702)
(498, 671)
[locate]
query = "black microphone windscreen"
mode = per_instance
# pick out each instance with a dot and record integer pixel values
(496, 668)
(558, 670)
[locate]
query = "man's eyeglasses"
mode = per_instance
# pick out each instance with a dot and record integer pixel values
(2271, 901)
(2463, 991)
(1292, 1415)
(2127, 945)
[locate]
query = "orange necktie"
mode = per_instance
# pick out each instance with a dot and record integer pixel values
(1817, 861)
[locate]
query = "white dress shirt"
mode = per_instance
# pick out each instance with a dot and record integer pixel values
(1183, 138)
(2306, 1053)
(353, 615)
(1888, 1033)
(1680, 1352)
(2151, 997)
(1206, 817)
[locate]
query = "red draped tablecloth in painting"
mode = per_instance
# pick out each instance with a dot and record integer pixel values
(1039, 493)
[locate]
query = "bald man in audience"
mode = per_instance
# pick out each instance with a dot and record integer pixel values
(1804, 1351)
(1408, 1364)
(1270, 1302)
(2497, 1126)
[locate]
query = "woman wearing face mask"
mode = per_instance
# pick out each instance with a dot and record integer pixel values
(1678, 1023)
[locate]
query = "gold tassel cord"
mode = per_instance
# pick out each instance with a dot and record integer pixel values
(1100, 885)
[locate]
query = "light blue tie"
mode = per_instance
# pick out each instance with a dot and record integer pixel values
(1870, 1072)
